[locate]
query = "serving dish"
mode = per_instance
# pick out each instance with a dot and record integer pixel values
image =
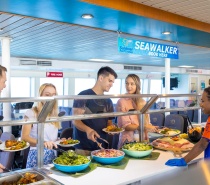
(107, 156)
(169, 132)
(71, 162)
(9, 149)
(9, 177)
(72, 168)
(137, 149)
(172, 144)
(68, 143)
(113, 132)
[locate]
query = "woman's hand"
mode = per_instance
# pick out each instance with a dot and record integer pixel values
(50, 145)
(151, 128)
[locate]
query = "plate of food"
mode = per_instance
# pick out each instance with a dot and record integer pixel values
(173, 144)
(14, 145)
(67, 142)
(169, 132)
(113, 129)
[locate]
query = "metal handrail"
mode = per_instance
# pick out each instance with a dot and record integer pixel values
(49, 101)
(144, 110)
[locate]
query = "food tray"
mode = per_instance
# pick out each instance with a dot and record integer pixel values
(175, 149)
(14, 176)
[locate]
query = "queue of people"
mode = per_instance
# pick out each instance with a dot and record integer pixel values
(87, 131)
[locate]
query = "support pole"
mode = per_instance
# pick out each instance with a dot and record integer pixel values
(167, 82)
(5, 45)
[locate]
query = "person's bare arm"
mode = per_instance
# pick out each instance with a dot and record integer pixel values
(26, 129)
(91, 134)
(132, 127)
(148, 126)
(196, 150)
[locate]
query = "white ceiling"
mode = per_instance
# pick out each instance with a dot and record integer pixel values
(68, 37)
(194, 9)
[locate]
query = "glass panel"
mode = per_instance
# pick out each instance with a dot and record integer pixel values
(58, 82)
(115, 89)
(156, 87)
(20, 87)
(82, 84)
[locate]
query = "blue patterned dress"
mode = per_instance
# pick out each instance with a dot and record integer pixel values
(50, 134)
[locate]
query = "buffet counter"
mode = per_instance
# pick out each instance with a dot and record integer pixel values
(144, 172)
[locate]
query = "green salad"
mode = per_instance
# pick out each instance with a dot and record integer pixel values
(70, 158)
(137, 146)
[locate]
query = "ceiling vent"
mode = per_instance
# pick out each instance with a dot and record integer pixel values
(44, 63)
(194, 70)
(191, 70)
(28, 62)
(132, 67)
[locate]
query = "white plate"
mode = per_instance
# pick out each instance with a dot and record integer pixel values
(3, 148)
(58, 143)
(174, 134)
(110, 132)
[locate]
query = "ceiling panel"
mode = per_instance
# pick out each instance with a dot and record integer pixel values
(194, 9)
(36, 37)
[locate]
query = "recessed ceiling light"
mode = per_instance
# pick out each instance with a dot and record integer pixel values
(186, 66)
(100, 60)
(87, 16)
(166, 33)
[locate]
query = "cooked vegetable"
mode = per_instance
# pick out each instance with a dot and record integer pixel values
(14, 145)
(113, 128)
(27, 179)
(70, 158)
(69, 141)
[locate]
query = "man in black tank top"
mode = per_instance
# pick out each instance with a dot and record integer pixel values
(86, 131)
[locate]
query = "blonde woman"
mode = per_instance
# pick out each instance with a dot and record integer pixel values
(131, 122)
(29, 132)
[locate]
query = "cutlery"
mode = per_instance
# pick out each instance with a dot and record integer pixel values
(59, 149)
(99, 145)
(104, 140)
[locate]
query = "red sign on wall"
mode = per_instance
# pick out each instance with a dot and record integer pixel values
(54, 74)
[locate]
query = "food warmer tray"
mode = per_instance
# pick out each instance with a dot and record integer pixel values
(41, 177)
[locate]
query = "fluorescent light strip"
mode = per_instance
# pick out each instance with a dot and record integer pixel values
(100, 60)
(186, 66)
(166, 33)
(87, 16)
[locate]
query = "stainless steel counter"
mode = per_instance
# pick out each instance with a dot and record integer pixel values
(15, 176)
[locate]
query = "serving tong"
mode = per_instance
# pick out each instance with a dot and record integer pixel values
(100, 144)
(60, 150)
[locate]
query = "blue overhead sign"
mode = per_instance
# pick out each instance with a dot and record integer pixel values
(147, 48)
